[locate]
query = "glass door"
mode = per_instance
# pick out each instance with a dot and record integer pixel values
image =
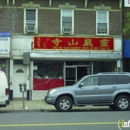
(70, 75)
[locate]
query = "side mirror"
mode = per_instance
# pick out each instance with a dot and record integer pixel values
(81, 84)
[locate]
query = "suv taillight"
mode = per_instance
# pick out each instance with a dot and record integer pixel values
(6, 91)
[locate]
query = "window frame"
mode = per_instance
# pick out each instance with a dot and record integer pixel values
(91, 79)
(72, 14)
(36, 21)
(107, 22)
(120, 77)
(106, 83)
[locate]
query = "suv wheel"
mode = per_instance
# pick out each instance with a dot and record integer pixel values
(122, 103)
(64, 103)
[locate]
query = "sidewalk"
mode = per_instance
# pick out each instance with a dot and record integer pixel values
(27, 105)
(41, 105)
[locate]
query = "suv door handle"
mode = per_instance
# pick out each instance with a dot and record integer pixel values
(114, 87)
(96, 88)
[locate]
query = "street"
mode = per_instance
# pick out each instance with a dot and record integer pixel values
(53, 120)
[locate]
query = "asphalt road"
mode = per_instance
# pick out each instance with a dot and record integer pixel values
(52, 120)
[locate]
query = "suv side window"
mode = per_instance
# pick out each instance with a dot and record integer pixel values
(90, 81)
(123, 79)
(107, 80)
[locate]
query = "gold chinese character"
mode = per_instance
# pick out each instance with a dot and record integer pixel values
(88, 42)
(72, 43)
(104, 42)
(45, 43)
(38, 42)
(56, 41)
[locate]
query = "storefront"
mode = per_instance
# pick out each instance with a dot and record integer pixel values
(5, 52)
(126, 55)
(59, 61)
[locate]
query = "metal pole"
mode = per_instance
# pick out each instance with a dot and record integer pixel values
(23, 101)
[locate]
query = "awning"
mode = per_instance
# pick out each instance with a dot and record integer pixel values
(5, 34)
(75, 55)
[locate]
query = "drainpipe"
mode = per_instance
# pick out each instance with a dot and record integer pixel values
(7, 2)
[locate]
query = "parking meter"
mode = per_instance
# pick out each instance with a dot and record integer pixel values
(24, 87)
(20, 87)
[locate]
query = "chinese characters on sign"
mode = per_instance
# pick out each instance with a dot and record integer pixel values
(73, 43)
(3, 38)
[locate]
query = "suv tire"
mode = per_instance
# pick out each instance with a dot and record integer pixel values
(64, 104)
(122, 103)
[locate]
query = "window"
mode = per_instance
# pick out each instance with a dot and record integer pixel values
(123, 79)
(108, 66)
(102, 24)
(19, 71)
(90, 81)
(49, 70)
(107, 80)
(48, 75)
(30, 21)
(3, 65)
(67, 21)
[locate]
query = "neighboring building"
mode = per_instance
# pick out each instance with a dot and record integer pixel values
(126, 38)
(54, 43)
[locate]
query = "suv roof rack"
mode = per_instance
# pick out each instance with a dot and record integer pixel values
(113, 73)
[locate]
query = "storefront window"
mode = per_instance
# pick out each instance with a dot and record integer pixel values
(3, 65)
(104, 67)
(48, 75)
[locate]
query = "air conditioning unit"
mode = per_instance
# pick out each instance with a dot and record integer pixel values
(30, 28)
(102, 30)
(67, 30)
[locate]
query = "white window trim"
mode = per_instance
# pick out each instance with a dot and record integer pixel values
(36, 24)
(72, 11)
(107, 13)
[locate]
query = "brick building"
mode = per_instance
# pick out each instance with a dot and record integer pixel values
(56, 42)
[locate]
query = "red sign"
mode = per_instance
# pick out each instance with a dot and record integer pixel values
(73, 43)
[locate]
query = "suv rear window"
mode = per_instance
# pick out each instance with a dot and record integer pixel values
(123, 79)
(107, 80)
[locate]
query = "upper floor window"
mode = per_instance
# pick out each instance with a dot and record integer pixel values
(30, 21)
(102, 23)
(67, 21)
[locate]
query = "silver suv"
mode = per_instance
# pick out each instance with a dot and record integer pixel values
(103, 89)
